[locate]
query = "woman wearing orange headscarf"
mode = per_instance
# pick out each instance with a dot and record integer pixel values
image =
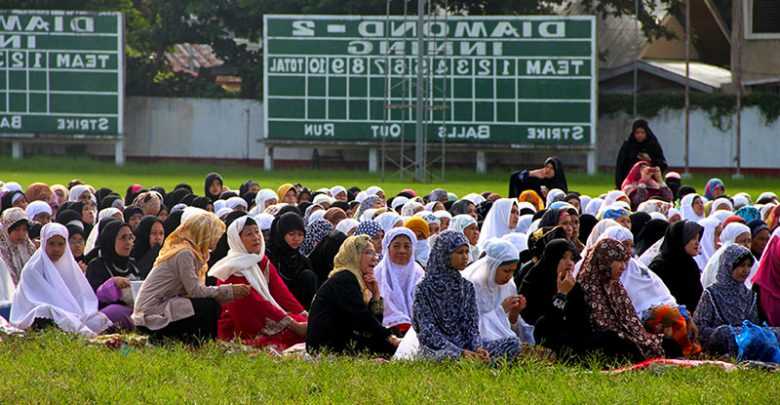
(532, 197)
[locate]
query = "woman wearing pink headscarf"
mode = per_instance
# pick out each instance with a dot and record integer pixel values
(767, 281)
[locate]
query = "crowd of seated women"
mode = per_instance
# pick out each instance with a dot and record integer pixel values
(642, 272)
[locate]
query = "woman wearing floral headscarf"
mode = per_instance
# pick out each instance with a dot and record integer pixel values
(445, 315)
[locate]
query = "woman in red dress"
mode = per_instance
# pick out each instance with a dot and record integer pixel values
(270, 315)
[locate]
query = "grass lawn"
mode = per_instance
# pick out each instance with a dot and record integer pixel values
(55, 368)
(52, 170)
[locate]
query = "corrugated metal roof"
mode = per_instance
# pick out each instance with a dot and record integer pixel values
(190, 58)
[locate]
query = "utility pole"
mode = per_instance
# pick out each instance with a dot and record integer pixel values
(419, 140)
(736, 74)
(687, 172)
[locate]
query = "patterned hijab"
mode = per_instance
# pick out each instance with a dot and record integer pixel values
(370, 228)
(734, 300)
(443, 286)
(315, 233)
(610, 306)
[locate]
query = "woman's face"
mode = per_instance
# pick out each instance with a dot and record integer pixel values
(291, 197)
(575, 227)
(55, 248)
(718, 191)
(400, 250)
(564, 221)
(674, 219)
(459, 258)
(472, 210)
(156, 234)
(437, 207)
(254, 188)
(514, 216)
(625, 221)
(271, 201)
(76, 243)
(629, 244)
(759, 242)
(434, 228)
(294, 238)
(549, 171)
(88, 213)
(698, 206)
(640, 135)
(741, 271)
(566, 264)
(18, 234)
(445, 222)
(743, 240)
(252, 239)
(163, 215)
(505, 272)
(472, 234)
(43, 218)
(617, 268)
(215, 188)
(124, 242)
(20, 203)
(342, 196)
(134, 220)
(368, 259)
(376, 240)
(692, 247)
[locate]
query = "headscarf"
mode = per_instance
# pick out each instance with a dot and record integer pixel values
(37, 207)
(262, 197)
(239, 260)
(718, 203)
(142, 232)
(38, 192)
(712, 185)
(686, 205)
(518, 240)
(708, 242)
(610, 305)
(15, 255)
(57, 291)
(554, 195)
(539, 284)
(524, 223)
(587, 223)
(493, 321)
(421, 246)
(735, 298)
(638, 221)
(346, 225)
(593, 207)
(633, 177)
(348, 259)
(370, 228)
(397, 282)
(652, 232)
(530, 196)
(388, 220)
(768, 279)
(76, 192)
(283, 190)
(749, 214)
(315, 233)
(409, 208)
(496, 222)
(475, 198)
(210, 179)
(195, 234)
(460, 207)
(598, 230)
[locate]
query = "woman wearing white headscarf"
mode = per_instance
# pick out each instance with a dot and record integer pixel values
(53, 287)
(611, 199)
(77, 192)
(270, 315)
(497, 300)
(593, 207)
(264, 199)
(553, 196)
(388, 220)
(733, 233)
(410, 208)
(524, 223)
(692, 207)
(500, 220)
(467, 225)
(397, 275)
(709, 240)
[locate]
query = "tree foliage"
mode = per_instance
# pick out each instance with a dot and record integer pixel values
(155, 26)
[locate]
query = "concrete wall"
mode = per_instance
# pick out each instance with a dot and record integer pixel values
(710, 147)
(232, 129)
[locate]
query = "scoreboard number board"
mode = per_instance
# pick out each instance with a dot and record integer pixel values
(517, 80)
(61, 72)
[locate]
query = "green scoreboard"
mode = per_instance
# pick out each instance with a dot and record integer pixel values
(61, 72)
(517, 80)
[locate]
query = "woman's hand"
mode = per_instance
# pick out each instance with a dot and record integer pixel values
(371, 284)
(394, 340)
(240, 291)
(566, 282)
(299, 328)
(121, 282)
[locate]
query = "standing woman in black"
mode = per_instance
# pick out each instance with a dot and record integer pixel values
(640, 145)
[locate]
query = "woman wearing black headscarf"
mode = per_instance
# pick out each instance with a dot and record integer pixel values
(133, 216)
(638, 221)
(172, 222)
(651, 233)
(676, 266)
(550, 176)
(539, 285)
(640, 145)
(13, 198)
(322, 256)
(77, 240)
(213, 186)
(149, 236)
(587, 222)
(287, 233)
(111, 272)
(175, 197)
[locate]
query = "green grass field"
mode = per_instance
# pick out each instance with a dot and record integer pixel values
(55, 368)
(52, 170)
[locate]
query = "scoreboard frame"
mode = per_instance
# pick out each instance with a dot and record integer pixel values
(272, 136)
(80, 39)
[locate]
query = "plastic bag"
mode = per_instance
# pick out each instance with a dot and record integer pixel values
(757, 343)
